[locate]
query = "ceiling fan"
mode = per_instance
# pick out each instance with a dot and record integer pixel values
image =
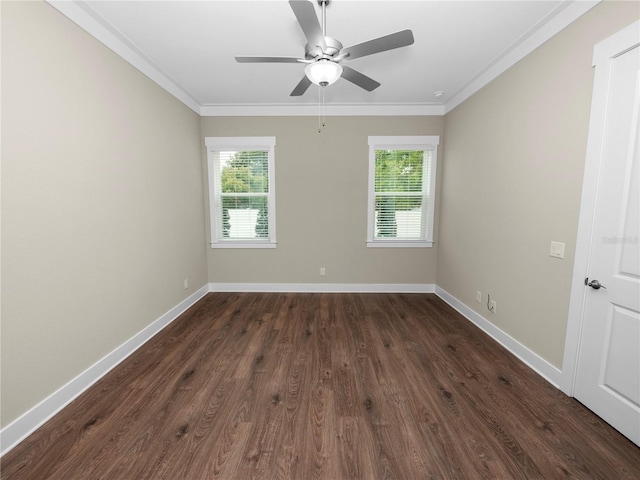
(324, 55)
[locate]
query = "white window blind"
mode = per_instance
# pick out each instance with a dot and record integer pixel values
(401, 191)
(242, 200)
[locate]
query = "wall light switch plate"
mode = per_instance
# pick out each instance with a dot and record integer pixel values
(556, 250)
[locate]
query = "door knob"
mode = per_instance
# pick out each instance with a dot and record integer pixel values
(595, 284)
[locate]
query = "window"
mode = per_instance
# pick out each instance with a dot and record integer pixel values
(402, 181)
(241, 191)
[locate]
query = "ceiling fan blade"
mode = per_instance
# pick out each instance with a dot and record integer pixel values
(308, 20)
(301, 87)
(269, 60)
(360, 79)
(380, 44)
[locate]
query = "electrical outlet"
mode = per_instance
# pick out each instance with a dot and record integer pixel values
(322, 271)
(493, 306)
(186, 283)
(479, 297)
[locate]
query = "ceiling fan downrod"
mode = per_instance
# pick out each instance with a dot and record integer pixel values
(331, 46)
(323, 4)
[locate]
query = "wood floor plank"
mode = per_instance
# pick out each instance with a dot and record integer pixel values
(322, 386)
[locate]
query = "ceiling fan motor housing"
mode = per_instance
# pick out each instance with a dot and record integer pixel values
(312, 52)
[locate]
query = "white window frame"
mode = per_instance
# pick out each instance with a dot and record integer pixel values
(217, 144)
(419, 142)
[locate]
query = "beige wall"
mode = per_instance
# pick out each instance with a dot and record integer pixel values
(321, 204)
(512, 181)
(104, 200)
(102, 203)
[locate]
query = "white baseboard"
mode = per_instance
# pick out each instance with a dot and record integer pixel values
(547, 371)
(324, 287)
(27, 423)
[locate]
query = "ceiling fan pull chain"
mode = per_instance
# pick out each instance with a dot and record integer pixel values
(319, 108)
(323, 122)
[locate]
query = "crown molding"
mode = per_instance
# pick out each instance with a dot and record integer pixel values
(82, 15)
(311, 110)
(559, 19)
(87, 19)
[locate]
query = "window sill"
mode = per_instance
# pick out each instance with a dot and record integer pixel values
(243, 244)
(398, 244)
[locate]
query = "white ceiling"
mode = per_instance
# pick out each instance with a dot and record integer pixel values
(189, 46)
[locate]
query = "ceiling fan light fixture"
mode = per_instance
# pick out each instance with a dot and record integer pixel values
(323, 72)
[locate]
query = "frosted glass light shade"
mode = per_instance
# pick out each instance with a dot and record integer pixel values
(323, 72)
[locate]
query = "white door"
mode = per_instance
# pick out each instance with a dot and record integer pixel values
(608, 362)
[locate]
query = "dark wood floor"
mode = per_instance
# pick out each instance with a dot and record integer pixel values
(331, 386)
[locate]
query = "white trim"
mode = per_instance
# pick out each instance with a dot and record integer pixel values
(241, 244)
(531, 359)
(603, 53)
(86, 18)
(426, 143)
(528, 357)
(217, 144)
(330, 110)
(568, 13)
(19, 429)
(617, 44)
(397, 244)
(239, 143)
(406, 142)
(324, 287)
